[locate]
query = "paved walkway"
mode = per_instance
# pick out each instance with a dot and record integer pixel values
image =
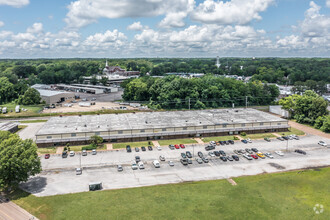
(308, 129)
(199, 141)
(277, 135)
(59, 150)
(232, 182)
(109, 147)
(239, 137)
(155, 143)
(11, 211)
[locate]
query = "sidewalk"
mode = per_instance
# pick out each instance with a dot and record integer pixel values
(59, 150)
(199, 141)
(11, 211)
(308, 129)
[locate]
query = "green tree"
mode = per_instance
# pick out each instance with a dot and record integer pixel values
(104, 81)
(326, 124)
(30, 97)
(96, 140)
(6, 90)
(94, 80)
(18, 160)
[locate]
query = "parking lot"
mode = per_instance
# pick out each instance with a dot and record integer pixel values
(58, 176)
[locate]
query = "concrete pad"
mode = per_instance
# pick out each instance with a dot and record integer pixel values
(59, 150)
(277, 135)
(232, 182)
(155, 143)
(199, 141)
(109, 147)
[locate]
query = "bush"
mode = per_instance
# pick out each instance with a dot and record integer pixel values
(65, 148)
(89, 147)
(243, 134)
(236, 138)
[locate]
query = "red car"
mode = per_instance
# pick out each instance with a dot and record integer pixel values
(254, 156)
(177, 146)
(47, 156)
(182, 146)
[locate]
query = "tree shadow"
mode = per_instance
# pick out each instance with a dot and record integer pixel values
(34, 185)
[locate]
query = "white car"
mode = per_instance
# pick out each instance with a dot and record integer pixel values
(159, 148)
(212, 143)
(171, 163)
(78, 171)
(269, 155)
(134, 166)
(71, 153)
(84, 153)
(161, 158)
(280, 153)
(93, 152)
(141, 165)
(247, 156)
(211, 154)
(322, 143)
(156, 163)
(249, 140)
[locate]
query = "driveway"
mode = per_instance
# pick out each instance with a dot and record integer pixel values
(30, 131)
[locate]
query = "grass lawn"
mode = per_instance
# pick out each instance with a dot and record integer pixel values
(21, 127)
(132, 144)
(177, 141)
(46, 150)
(32, 121)
(31, 110)
(292, 131)
(290, 195)
(259, 136)
(221, 138)
(78, 148)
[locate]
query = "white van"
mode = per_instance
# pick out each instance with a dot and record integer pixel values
(141, 165)
(156, 163)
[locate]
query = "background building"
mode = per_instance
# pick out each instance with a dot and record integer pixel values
(157, 125)
(9, 126)
(54, 97)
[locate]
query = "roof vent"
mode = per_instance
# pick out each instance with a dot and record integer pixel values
(85, 125)
(98, 126)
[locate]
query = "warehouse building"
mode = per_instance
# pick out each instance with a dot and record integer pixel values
(53, 97)
(157, 125)
(9, 126)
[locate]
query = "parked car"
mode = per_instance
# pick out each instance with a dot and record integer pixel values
(205, 159)
(235, 157)
(141, 165)
(137, 159)
(94, 152)
(224, 159)
(212, 143)
(285, 137)
(134, 166)
(322, 143)
(137, 149)
(247, 156)
(211, 154)
(249, 140)
(269, 155)
(254, 150)
(222, 142)
(143, 148)
(295, 137)
(261, 155)
(177, 146)
(171, 146)
(222, 152)
(47, 156)
(64, 154)
(209, 147)
(182, 146)
(227, 142)
(216, 153)
(280, 153)
(229, 158)
(189, 155)
(189, 161)
(119, 168)
(248, 151)
(84, 153)
(156, 163)
(128, 149)
(236, 152)
(280, 138)
(200, 154)
(243, 151)
(231, 141)
(184, 161)
(267, 139)
(150, 148)
(159, 148)
(254, 156)
(244, 141)
(183, 155)
(300, 151)
(199, 160)
(171, 163)
(78, 171)
(161, 158)
(72, 153)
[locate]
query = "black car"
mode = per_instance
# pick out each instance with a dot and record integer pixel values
(224, 159)
(171, 146)
(200, 154)
(300, 151)
(188, 154)
(235, 157)
(231, 142)
(244, 141)
(128, 149)
(184, 161)
(137, 159)
(222, 142)
(149, 147)
(216, 153)
(285, 137)
(143, 148)
(280, 138)
(64, 154)
(254, 150)
(183, 155)
(205, 160)
(209, 147)
(222, 153)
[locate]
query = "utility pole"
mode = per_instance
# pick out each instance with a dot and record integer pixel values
(245, 101)
(189, 103)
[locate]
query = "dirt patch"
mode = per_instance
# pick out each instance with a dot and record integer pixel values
(277, 166)
(232, 182)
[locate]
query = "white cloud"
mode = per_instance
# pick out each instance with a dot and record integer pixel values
(173, 20)
(2, 24)
(84, 12)
(35, 28)
(15, 3)
(136, 26)
(230, 12)
(328, 3)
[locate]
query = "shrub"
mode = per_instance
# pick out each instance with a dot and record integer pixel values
(243, 134)
(236, 138)
(89, 147)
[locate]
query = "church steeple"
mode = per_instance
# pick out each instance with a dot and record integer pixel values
(106, 63)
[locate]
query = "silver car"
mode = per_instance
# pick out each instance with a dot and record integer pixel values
(134, 166)
(171, 163)
(119, 168)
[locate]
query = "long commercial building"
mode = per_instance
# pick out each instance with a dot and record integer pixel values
(157, 125)
(9, 126)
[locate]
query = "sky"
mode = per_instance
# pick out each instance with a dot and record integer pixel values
(164, 28)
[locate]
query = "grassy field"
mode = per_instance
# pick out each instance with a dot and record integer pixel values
(292, 131)
(177, 141)
(31, 110)
(222, 138)
(259, 136)
(78, 148)
(132, 144)
(32, 121)
(290, 195)
(46, 150)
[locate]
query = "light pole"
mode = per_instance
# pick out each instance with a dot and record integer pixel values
(287, 145)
